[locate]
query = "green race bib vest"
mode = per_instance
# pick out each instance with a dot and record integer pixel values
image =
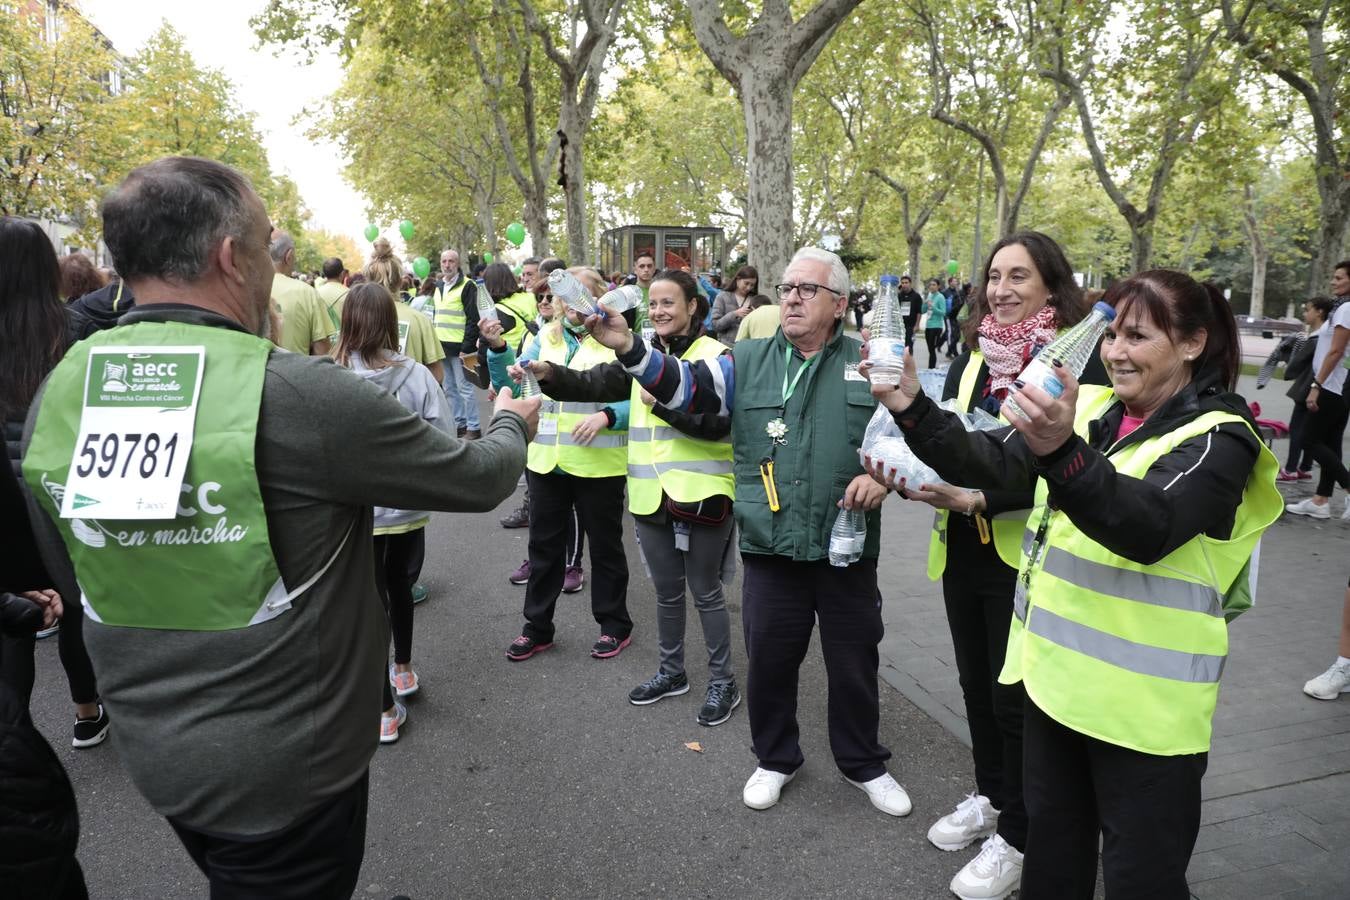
(553, 446)
(663, 459)
(1007, 527)
(211, 567)
(449, 316)
(1127, 653)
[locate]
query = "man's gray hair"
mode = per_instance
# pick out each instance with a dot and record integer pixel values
(166, 217)
(839, 280)
(282, 243)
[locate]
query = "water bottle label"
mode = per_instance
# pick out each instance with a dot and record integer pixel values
(1053, 386)
(885, 348)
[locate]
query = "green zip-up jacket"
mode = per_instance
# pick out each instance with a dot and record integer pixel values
(826, 418)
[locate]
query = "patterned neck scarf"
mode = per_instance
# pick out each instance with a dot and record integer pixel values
(1008, 348)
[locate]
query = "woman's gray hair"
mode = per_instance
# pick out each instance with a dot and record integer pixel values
(839, 280)
(166, 217)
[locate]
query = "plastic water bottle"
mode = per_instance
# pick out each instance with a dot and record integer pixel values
(529, 385)
(1073, 348)
(572, 292)
(848, 536)
(486, 308)
(622, 299)
(886, 349)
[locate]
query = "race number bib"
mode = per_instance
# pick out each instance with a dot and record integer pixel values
(403, 337)
(648, 333)
(135, 437)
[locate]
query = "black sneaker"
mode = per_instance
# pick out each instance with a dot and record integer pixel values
(520, 518)
(658, 686)
(90, 732)
(722, 699)
(524, 647)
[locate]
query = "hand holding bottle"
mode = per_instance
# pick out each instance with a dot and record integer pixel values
(1045, 422)
(895, 397)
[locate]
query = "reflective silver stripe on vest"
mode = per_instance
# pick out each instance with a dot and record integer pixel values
(599, 442)
(1196, 668)
(583, 409)
(1020, 601)
(697, 466)
(665, 433)
(1143, 587)
(1028, 541)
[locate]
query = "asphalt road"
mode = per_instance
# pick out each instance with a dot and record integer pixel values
(539, 779)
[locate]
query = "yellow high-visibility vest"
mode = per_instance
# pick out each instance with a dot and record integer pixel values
(1127, 653)
(663, 459)
(553, 446)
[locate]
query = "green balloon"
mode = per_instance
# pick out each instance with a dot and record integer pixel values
(406, 229)
(487, 258)
(421, 267)
(515, 233)
(372, 232)
(519, 270)
(952, 267)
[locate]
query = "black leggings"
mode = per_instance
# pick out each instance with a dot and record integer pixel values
(931, 337)
(394, 578)
(1299, 457)
(1322, 438)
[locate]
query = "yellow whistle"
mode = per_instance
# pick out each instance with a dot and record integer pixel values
(770, 489)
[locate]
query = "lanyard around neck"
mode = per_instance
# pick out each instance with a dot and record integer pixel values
(791, 388)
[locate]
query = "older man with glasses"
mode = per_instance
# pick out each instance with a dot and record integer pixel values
(799, 409)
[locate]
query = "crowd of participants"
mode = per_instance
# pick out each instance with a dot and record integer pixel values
(1087, 568)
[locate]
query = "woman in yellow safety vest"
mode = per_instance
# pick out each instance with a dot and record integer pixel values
(680, 490)
(1151, 498)
(1027, 295)
(515, 308)
(500, 358)
(576, 462)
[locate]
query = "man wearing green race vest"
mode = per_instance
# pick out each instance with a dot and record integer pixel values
(798, 411)
(221, 537)
(457, 330)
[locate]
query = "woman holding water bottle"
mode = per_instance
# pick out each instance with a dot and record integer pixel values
(1027, 295)
(1150, 499)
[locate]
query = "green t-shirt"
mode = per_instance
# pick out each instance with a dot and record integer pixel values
(421, 343)
(304, 317)
(332, 294)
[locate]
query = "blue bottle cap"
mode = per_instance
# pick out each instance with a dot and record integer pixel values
(890, 279)
(1108, 312)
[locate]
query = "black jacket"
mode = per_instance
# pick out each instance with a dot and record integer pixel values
(915, 301)
(99, 310)
(998, 500)
(1192, 490)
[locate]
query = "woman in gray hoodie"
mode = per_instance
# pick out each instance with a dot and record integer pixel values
(371, 345)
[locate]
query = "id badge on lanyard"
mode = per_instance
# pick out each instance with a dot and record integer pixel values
(137, 421)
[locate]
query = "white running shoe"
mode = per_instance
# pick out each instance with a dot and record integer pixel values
(1345, 513)
(973, 818)
(992, 875)
(885, 793)
(764, 788)
(1307, 507)
(1331, 683)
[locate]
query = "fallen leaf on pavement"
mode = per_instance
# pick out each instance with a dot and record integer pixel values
(695, 746)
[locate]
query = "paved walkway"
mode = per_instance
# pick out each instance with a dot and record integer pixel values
(1277, 792)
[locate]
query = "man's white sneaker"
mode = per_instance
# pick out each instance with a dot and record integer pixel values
(1345, 513)
(1307, 507)
(764, 788)
(973, 818)
(885, 794)
(992, 875)
(1331, 683)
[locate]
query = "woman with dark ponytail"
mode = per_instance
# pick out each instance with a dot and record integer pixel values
(1150, 500)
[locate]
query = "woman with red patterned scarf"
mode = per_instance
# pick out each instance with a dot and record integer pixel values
(1026, 296)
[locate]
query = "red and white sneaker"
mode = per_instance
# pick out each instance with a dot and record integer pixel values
(403, 683)
(390, 724)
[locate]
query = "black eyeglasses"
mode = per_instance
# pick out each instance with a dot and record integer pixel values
(806, 290)
(545, 298)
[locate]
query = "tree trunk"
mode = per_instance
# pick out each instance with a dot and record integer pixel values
(573, 180)
(1332, 228)
(977, 251)
(766, 97)
(1141, 244)
(536, 223)
(914, 241)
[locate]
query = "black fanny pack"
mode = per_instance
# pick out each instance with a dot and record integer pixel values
(712, 511)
